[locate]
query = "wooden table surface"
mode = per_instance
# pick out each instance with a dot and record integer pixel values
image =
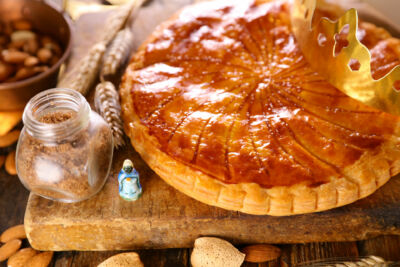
(13, 198)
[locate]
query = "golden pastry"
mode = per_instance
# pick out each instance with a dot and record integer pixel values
(222, 105)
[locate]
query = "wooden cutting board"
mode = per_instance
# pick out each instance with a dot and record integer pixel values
(166, 218)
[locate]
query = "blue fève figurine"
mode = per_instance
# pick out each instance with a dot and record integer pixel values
(129, 184)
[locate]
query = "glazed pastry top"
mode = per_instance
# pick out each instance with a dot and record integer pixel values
(225, 89)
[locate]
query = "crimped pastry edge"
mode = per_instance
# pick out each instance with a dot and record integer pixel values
(371, 172)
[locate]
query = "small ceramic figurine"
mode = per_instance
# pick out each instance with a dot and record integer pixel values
(129, 184)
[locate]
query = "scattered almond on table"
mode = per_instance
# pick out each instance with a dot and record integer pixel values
(9, 249)
(15, 232)
(40, 260)
(128, 259)
(261, 253)
(20, 258)
(10, 163)
(9, 138)
(215, 252)
(12, 239)
(8, 120)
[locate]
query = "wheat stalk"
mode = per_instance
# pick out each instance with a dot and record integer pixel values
(82, 77)
(117, 53)
(106, 101)
(341, 262)
(85, 73)
(118, 19)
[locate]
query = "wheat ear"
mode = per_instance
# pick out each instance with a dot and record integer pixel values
(106, 101)
(86, 70)
(117, 53)
(118, 19)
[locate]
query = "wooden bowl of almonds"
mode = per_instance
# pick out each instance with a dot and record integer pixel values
(35, 40)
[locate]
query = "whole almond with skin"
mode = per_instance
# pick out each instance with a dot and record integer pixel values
(31, 46)
(15, 57)
(9, 249)
(23, 36)
(31, 61)
(15, 232)
(10, 163)
(40, 260)
(261, 253)
(20, 258)
(44, 55)
(8, 120)
(24, 73)
(9, 138)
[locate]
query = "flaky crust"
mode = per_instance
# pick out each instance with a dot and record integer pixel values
(373, 171)
(367, 174)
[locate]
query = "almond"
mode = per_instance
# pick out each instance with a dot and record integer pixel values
(44, 55)
(54, 47)
(20, 258)
(31, 61)
(40, 260)
(31, 46)
(9, 249)
(10, 163)
(211, 251)
(2, 159)
(261, 253)
(45, 39)
(24, 73)
(9, 138)
(23, 36)
(15, 232)
(14, 57)
(8, 120)
(129, 259)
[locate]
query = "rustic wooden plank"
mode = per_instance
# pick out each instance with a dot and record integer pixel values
(169, 257)
(164, 217)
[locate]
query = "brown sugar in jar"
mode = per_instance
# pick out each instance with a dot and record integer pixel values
(56, 117)
(65, 149)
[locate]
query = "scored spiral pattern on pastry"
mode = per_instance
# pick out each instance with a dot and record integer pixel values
(224, 89)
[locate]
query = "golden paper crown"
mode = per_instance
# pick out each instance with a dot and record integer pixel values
(318, 44)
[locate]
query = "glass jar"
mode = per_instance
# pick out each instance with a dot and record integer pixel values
(65, 149)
